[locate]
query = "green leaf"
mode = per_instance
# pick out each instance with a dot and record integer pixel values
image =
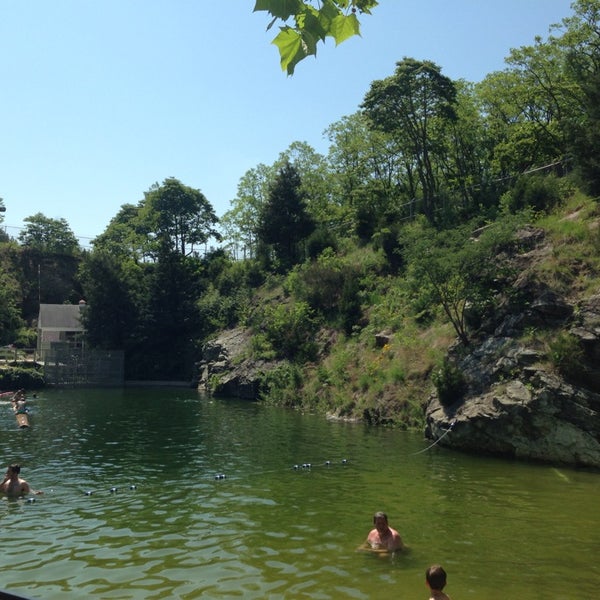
(329, 11)
(310, 25)
(344, 27)
(291, 48)
(271, 23)
(365, 6)
(281, 9)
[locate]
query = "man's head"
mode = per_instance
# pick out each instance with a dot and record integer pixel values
(15, 468)
(380, 521)
(435, 577)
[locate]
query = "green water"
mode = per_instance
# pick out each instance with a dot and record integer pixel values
(501, 529)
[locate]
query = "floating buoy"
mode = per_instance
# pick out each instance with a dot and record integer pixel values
(344, 461)
(327, 463)
(220, 476)
(296, 467)
(89, 493)
(133, 487)
(30, 500)
(113, 490)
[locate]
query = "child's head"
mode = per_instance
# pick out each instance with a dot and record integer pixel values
(435, 577)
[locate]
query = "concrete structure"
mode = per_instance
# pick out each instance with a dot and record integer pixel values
(59, 323)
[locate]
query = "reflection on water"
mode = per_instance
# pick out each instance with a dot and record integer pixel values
(171, 529)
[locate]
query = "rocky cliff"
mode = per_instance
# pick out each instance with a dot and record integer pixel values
(516, 402)
(225, 368)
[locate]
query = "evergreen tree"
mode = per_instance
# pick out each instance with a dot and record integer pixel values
(285, 222)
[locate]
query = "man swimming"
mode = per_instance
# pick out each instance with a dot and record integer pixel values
(383, 537)
(13, 486)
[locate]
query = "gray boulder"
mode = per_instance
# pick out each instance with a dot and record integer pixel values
(227, 370)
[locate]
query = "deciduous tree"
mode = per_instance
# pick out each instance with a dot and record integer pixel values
(415, 105)
(242, 220)
(48, 235)
(177, 217)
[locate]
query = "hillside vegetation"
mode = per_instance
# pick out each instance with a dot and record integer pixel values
(386, 365)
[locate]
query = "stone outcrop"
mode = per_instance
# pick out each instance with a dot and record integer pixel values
(533, 414)
(226, 370)
(516, 403)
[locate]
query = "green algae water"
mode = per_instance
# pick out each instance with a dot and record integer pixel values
(167, 494)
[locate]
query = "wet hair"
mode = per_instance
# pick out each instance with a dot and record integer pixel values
(380, 515)
(436, 577)
(15, 468)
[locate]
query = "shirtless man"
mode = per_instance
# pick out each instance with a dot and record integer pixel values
(13, 486)
(383, 537)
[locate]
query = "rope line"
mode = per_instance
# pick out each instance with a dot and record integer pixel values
(446, 432)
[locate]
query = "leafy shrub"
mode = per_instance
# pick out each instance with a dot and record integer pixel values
(387, 239)
(291, 330)
(262, 348)
(240, 274)
(280, 386)
(331, 286)
(449, 382)
(15, 378)
(218, 311)
(567, 355)
(535, 191)
(26, 338)
(320, 240)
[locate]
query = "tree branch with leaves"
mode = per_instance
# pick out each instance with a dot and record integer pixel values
(306, 23)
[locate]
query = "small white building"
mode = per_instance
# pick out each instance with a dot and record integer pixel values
(59, 323)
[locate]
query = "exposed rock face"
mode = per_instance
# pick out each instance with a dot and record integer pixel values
(225, 372)
(516, 404)
(536, 416)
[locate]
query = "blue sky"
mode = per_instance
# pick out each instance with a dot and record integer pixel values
(101, 99)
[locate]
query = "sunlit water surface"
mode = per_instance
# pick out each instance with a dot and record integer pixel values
(267, 530)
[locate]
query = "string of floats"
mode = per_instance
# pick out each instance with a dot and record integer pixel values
(307, 466)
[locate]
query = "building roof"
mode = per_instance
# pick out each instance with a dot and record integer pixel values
(66, 317)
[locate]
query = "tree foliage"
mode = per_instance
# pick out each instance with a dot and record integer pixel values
(49, 235)
(10, 316)
(145, 271)
(454, 270)
(284, 220)
(177, 217)
(415, 105)
(114, 290)
(242, 221)
(126, 236)
(311, 22)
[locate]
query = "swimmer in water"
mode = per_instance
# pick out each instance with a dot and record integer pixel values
(13, 486)
(435, 577)
(382, 537)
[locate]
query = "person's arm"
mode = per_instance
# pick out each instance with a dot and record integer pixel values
(26, 489)
(397, 542)
(366, 545)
